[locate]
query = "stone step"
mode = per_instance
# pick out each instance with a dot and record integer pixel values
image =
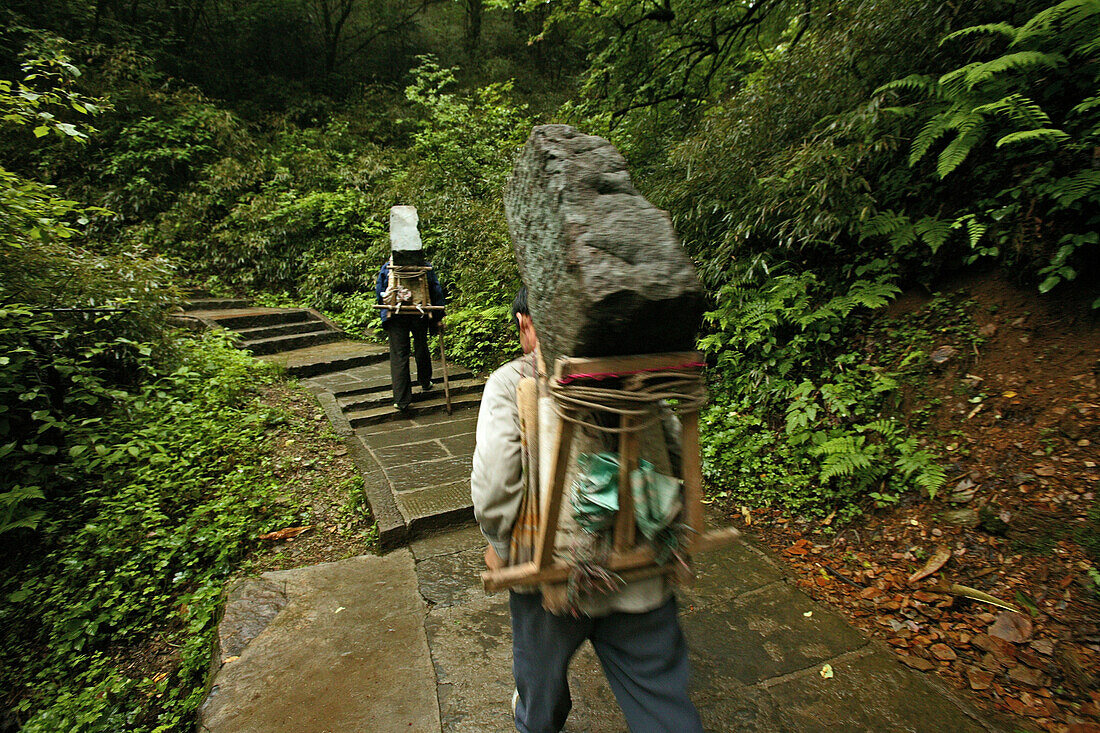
(323, 335)
(382, 397)
(381, 382)
(256, 317)
(437, 507)
(376, 415)
(214, 304)
(283, 329)
(314, 361)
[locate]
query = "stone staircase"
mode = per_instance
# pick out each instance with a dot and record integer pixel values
(415, 464)
(265, 330)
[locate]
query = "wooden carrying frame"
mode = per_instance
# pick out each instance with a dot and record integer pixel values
(418, 284)
(628, 560)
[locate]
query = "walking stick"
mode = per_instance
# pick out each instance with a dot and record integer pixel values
(443, 359)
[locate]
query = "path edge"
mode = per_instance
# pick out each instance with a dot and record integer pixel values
(392, 529)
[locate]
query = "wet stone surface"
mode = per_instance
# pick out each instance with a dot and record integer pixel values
(870, 693)
(430, 473)
(446, 580)
(767, 633)
(401, 455)
(249, 608)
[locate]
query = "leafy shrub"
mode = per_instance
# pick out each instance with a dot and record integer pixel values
(1029, 117)
(744, 459)
(472, 138)
(784, 358)
(164, 490)
(155, 157)
(481, 338)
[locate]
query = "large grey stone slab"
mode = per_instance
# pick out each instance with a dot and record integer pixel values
(250, 606)
(764, 634)
(348, 652)
(410, 431)
(471, 645)
(430, 473)
(406, 453)
(446, 580)
(448, 543)
(459, 445)
(436, 506)
(426, 410)
(729, 572)
(872, 693)
(605, 271)
(313, 361)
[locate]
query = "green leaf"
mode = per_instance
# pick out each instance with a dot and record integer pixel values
(42, 131)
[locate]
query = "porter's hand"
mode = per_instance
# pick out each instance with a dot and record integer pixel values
(492, 559)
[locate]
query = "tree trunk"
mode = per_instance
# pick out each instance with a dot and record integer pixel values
(475, 9)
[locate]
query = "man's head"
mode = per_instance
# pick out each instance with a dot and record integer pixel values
(527, 338)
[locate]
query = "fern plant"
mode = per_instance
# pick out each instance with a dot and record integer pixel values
(1029, 117)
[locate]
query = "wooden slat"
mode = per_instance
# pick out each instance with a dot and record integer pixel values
(568, 366)
(408, 308)
(628, 461)
(549, 520)
(555, 595)
(693, 475)
(557, 572)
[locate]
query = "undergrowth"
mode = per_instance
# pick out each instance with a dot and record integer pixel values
(163, 493)
(821, 419)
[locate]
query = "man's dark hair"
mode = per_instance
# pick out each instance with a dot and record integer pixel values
(519, 305)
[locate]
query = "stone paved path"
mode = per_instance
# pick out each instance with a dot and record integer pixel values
(414, 464)
(408, 641)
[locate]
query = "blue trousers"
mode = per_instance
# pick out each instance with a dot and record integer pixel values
(644, 656)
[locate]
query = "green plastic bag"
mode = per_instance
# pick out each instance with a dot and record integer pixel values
(596, 491)
(595, 499)
(657, 499)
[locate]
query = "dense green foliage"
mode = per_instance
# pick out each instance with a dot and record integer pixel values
(154, 502)
(818, 157)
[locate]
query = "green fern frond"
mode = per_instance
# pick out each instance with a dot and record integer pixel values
(872, 295)
(843, 456)
(933, 231)
(1086, 106)
(882, 224)
(1018, 108)
(884, 427)
(838, 446)
(974, 228)
(979, 73)
(1087, 49)
(932, 131)
(902, 238)
(956, 82)
(958, 149)
(1064, 15)
(911, 83)
(1025, 136)
(1073, 188)
(900, 111)
(1004, 29)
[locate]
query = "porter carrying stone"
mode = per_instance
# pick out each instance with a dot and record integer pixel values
(605, 271)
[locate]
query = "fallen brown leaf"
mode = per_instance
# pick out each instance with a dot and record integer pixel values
(979, 678)
(1011, 627)
(287, 533)
(917, 663)
(943, 652)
